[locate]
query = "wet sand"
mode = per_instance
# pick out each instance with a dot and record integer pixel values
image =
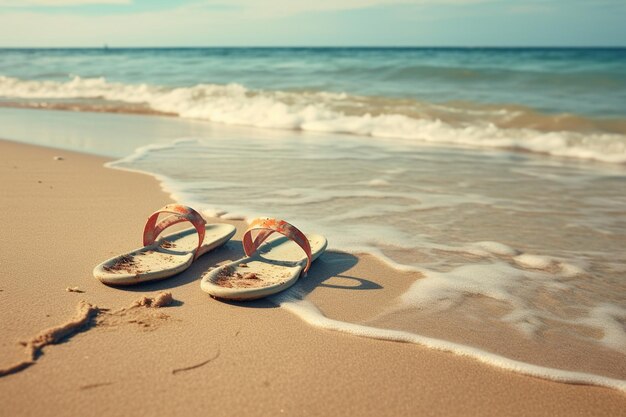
(199, 356)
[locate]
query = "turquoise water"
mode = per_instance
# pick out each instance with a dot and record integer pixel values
(562, 102)
(579, 81)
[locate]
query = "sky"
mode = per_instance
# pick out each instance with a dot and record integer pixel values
(170, 23)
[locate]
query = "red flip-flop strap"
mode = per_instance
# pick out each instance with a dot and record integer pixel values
(267, 226)
(179, 213)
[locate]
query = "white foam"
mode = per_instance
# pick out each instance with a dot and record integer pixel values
(305, 310)
(569, 270)
(386, 222)
(442, 289)
(320, 112)
(495, 248)
(533, 261)
(378, 182)
(507, 283)
(610, 318)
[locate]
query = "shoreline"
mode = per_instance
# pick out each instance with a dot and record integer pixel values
(448, 331)
(501, 125)
(268, 359)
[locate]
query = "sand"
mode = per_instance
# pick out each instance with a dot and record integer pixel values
(197, 355)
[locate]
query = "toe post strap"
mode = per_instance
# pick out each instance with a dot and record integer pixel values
(178, 213)
(264, 227)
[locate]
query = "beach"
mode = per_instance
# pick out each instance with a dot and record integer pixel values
(64, 216)
(473, 201)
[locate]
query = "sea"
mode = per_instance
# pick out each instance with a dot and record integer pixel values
(498, 175)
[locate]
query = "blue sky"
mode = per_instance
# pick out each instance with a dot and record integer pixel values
(55, 23)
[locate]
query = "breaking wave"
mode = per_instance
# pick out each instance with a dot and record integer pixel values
(510, 127)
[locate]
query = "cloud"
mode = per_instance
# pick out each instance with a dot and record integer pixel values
(57, 3)
(300, 22)
(531, 8)
(291, 6)
(199, 22)
(251, 8)
(282, 8)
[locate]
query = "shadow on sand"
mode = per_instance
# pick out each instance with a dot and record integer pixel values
(330, 264)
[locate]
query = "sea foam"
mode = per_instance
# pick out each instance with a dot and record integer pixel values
(464, 223)
(235, 104)
(307, 311)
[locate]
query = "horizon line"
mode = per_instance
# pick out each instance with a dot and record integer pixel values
(107, 46)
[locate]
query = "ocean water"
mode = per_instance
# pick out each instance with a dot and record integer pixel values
(564, 102)
(499, 175)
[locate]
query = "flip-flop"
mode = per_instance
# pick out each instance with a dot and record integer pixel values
(267, 269)
(159, 259)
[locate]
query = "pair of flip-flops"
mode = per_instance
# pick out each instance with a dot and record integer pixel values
(274, 255)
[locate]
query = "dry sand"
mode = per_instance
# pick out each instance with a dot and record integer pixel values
(199, 356)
